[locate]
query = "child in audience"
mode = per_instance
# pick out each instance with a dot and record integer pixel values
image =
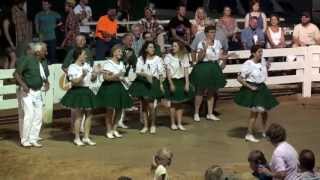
(161, 160)
(257, 160)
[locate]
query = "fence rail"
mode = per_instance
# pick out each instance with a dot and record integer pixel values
(306, 68)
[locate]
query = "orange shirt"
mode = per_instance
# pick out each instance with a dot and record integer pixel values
(106, 25)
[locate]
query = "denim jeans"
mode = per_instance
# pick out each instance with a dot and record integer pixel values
(51, 46)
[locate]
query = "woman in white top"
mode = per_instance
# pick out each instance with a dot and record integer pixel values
(178, 89)
(80, 97)
(148, 86)
(207, 75)
(161, 160)
(112, 94)
(200, 19)
(275, 34)
(254, 93)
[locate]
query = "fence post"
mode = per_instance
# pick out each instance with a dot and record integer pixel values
(307, 74)
(48, 97)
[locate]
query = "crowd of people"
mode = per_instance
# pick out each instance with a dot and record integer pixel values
(138, 67)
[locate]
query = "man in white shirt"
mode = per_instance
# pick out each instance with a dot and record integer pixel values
(85, 13)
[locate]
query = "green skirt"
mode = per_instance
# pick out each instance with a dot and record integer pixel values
(260, 98)
(112, 94)
(207, 75)
(79, 97)
(179, 95)
(142, 88)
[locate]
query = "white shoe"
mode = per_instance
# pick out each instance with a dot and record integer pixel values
(117, 134)
(110, 135)
(196, 117)
(181, 127)
(213, 117)
(251, 138)
(122, 125)
(264, 135)
(153, 130)
(39, 138)
(88, 141)
(144, 130)
(36, 144)
(78, 142)
(26, 144)
(174, 127)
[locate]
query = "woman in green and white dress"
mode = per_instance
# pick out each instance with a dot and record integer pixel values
(80, 97)
(254, 93)
(207, 75)
(178, 87)
(148, 86)
(112, 94)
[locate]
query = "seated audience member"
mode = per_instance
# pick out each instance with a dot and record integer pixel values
(306, 33)
(284, 161)
(228, 25)
(147, 37)
(215, 172)
(161, 160)
(180, 27)
(137, 32)
(255, 11)
(123, 14)
(151, 24)
(200, 19)
(256, 159)
(307, 166)
(106, 31)
(252, 35)
(275, 34)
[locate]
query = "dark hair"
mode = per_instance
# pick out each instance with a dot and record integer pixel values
(143, 52)
(76, 53)
(257, 157)
(181, 5)
(253, 2)
(144, 34)
(307, 160)
(253, 18)
(254, 49)
(209, 28)
(275, 15)
(276, 133)
(124, 178)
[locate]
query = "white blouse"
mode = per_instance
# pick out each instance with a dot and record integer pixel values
(176, 66)
(254, 72)
(161, 170)
(114, 68)
(213, 51)
(152, 67)
(75, 71)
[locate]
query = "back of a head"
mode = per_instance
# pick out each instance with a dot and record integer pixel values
(124, 178)
(307, 160)
(276, 133)
(257, 157)
(214, 172)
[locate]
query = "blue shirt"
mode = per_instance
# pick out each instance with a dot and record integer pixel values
(47, 22)
(247, 37)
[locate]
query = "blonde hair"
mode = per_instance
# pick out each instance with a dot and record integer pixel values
(162, 157)
(38, 46)
(214, 172)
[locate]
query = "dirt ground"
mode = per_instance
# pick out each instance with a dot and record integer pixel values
(204, 144)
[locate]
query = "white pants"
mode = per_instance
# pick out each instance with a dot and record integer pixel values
(32, 121)
(20, 110)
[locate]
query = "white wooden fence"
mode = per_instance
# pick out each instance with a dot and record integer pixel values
(306, 65)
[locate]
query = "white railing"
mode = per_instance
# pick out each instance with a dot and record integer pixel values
(306, 65)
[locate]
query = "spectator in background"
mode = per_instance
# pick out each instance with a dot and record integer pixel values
(257, 159)
(161, 160)
(199, 23)
(307, 166)
(137, 32)
(252, 35)
(8, 39)
(306, 33)
(147, 37)
(85, 14)
(106, 34)
(284, 161)
(23, 27)
(180, 27)
(228, 25)
(275, 34)
(150, 24)
(123, 14)
(71, 25)
(255, 11)
(46, 22)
